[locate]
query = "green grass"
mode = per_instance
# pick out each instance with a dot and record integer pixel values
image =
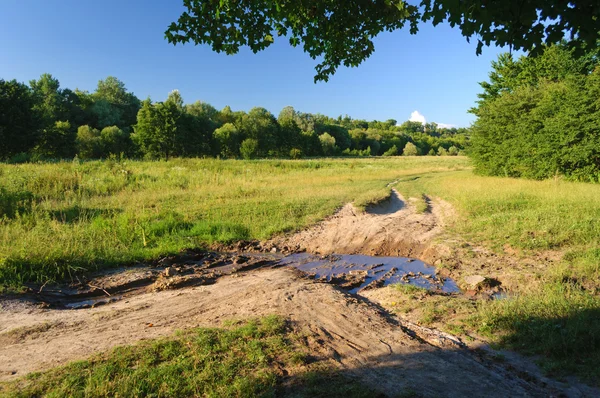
(245, 360)
(60, 219)
(559, 322)
(555, 316)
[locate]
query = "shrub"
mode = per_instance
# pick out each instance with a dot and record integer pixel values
(249, 148)
(295, 153)
(393, 151)
(410, 149)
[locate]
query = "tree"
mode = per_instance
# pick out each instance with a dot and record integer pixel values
(260, 125)
(89, 143)
(114, 141)
(249, 148)
(19, 122)
(341, 33)
(327, 144)
(540, 122)
(410, 149)
(289, 133)
(57, 141)
(149, 133)
(48, 99)
(227, 138)
(113, 105)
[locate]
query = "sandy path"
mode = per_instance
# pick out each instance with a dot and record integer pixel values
(362, 339)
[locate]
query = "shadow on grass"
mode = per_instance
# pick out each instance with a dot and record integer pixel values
(76, 213)
(567, 345)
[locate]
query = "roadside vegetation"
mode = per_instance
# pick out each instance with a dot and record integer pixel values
(255, 358)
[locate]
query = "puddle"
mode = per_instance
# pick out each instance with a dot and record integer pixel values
(358, 272)
(91, 303)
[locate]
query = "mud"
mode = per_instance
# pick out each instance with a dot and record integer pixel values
(391, 228)
(174, 272)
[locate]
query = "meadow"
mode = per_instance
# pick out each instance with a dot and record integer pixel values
(64, 218)
(61, 219)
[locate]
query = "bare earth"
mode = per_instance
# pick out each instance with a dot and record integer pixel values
(357, 335)
(392, 228)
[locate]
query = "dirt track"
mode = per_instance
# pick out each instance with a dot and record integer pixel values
(356, 334)
(392, 228)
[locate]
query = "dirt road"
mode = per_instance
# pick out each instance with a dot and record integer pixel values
(355, 334)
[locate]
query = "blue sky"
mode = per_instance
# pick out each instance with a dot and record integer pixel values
(435, 72)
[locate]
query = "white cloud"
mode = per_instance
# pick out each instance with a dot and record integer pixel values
(445, 125)
(417, 117)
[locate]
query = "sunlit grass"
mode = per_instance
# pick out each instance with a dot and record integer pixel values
(60, 219)
(558, 318)
(256, 358)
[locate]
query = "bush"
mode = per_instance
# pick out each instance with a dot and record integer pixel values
(22, 157)
(410, 149)
(295, 153)
(89, 144)
(327, 144)
(393, 151)
(12, 203)
(249, 148)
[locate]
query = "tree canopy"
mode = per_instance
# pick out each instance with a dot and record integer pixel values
(44, 121)
(342, 32)
(539, 117)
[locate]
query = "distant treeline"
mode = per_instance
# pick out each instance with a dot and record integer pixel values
(539, 117)
(42, 121)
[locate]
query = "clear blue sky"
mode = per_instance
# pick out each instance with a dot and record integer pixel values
(435, 72)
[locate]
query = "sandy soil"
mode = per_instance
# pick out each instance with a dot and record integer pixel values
(391, 228)
(356, 334)
(362, 339)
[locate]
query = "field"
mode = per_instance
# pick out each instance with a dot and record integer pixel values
(541, 239)
(64, 218)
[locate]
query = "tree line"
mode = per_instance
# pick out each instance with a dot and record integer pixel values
(539, 117)
(43, 121)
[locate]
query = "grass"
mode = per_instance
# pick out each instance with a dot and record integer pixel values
(245, 360)
(557, 317)
(57, 220)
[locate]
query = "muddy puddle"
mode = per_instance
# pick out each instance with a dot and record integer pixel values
(358, 272)
(350, 272)
(168, 273)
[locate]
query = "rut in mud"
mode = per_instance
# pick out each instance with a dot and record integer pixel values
(353, 333)
(390, 228)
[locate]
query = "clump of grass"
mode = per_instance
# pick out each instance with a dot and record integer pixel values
(407, 288)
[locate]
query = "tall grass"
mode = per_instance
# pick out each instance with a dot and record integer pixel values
(60, 219)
